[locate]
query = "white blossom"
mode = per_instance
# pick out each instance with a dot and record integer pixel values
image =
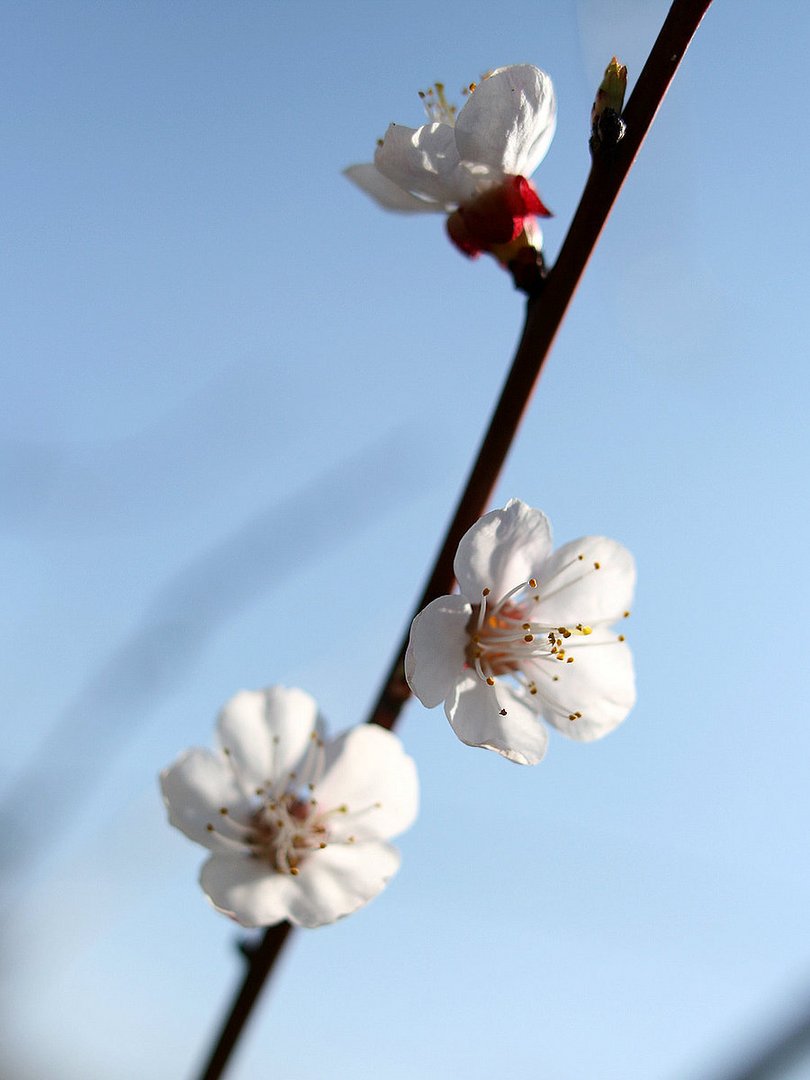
(530, 635)
(297, 826)
(473, 165)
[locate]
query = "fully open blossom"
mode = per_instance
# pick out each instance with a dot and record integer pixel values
(529, 636)
(296, 826)
(473, 166)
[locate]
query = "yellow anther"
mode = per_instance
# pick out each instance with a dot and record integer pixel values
(322, 845)
(570, 660)
(485, 592)
(210, 827)
(527, 626)
(532, 583)
(626, 615)
(597, 566)
(490, 681)
(223, 810)
(528, 637)
(621, 637)
(580, 557)
(555, 678)
(294, 871)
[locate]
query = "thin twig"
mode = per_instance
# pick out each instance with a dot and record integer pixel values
(544, 315)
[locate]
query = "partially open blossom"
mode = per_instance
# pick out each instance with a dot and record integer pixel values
(296, 826)
(473, 166)
(529, 636)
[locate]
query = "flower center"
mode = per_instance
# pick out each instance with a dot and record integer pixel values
(282, 823)
(285, 831)
(506, 635)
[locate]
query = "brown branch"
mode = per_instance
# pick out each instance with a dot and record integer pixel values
(544, 316)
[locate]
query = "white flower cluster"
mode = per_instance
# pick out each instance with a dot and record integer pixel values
(298, 826)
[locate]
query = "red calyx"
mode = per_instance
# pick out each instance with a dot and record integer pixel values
(495, 217)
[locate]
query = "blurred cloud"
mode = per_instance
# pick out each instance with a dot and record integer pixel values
(134, 479)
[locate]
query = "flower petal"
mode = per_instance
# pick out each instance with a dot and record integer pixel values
(423, 161)
(368, 771)
(385, 192)
(266, 732)
(504, 548)
(436, 648)
(494, 718)
(330, 884)
(600, 685)
(334, 882)
(247, 889)
(590, 580)
(508, 122)
(194, 789)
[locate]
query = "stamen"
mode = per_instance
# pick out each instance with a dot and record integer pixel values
(434, 101)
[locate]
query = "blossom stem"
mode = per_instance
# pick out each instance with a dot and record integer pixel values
(544, 316)
(260, 962)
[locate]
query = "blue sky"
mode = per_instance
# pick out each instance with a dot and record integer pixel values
(241, 401)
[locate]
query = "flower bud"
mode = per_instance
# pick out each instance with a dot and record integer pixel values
(607, 126)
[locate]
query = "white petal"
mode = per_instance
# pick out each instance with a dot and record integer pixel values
(573, 590)
(247, 889)
(194, 789)
(386, 193)
(475, 713)
(368, 771)
(435, 656)
(600, 684)
(421, 160)
(266, 732)
(334, 882)
(330, 884)
(508, 122)
(504, 548)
